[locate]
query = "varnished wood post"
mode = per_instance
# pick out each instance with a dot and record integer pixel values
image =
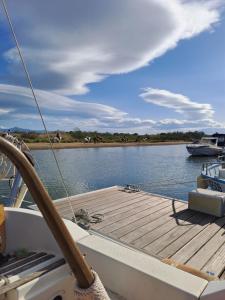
(71, 252)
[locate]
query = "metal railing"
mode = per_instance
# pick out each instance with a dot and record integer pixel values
(211, 169)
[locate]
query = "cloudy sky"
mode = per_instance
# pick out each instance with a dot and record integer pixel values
(132, 65)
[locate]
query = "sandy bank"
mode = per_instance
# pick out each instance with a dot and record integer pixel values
(99, 145)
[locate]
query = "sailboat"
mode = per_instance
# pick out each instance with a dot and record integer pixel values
(45, 257)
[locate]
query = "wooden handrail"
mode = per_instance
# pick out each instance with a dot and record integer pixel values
(70, 250)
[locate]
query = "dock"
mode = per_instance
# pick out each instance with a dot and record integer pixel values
(156, 225)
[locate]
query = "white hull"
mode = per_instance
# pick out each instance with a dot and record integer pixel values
(203, 150)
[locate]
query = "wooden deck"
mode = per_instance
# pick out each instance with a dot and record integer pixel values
(156, 225)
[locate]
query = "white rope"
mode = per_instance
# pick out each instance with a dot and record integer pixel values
(36, 102)
(95, 292)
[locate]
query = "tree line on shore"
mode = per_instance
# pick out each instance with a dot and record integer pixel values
(107, 137)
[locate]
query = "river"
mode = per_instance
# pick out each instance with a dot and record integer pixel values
(166, 170)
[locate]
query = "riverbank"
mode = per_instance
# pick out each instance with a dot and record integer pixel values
(42, 146)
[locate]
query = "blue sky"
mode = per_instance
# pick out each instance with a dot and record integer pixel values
(137, 66)
(194, 68)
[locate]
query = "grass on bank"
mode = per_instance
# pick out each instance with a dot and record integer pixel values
(107, 137)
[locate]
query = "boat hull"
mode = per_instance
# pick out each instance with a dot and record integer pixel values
(204, 150)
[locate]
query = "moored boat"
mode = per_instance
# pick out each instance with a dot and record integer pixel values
(208, 146)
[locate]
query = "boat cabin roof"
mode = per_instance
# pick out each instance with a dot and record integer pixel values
(209, 140)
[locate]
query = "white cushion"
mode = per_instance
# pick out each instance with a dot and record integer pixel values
(207, 201)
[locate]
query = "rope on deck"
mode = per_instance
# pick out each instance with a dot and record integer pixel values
(84, 219)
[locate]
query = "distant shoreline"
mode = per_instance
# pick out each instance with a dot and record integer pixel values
(43, 146)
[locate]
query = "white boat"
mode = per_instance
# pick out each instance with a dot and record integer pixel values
(208, 146)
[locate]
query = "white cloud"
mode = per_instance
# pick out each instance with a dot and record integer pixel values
(175, 124)
(179, 103)
(4, 111)
(9, 95)
(66, 113)
(68, 45)
(195, 115)
(75, 43)
(63, 111)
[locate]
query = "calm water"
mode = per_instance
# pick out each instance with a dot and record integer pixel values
(158, 169)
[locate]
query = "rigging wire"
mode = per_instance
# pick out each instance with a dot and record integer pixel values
(36, 101)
